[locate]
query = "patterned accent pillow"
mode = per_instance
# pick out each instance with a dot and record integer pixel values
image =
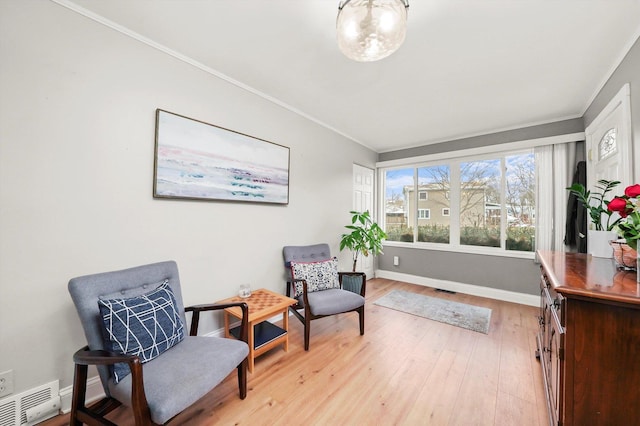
(146, 326)
(320, 276)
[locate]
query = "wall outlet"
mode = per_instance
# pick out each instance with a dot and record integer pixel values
(6, 383)
(396, 260)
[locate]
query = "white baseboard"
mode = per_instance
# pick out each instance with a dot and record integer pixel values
(474, 290)
(94, 393)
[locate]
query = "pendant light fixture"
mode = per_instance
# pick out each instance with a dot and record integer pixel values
(369, 30)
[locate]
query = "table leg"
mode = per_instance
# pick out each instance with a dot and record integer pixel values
(285, 325)
(251, 347)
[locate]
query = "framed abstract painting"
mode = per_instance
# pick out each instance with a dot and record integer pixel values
(200, 161)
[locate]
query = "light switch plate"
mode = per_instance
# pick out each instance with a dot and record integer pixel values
(6, 383)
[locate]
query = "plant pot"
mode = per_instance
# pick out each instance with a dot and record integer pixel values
(598, 243)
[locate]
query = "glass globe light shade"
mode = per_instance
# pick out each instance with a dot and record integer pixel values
(369, 30)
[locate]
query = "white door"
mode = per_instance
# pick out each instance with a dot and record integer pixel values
(609, 146)
(363, 201)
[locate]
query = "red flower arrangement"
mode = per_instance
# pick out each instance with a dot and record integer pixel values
(628, 207)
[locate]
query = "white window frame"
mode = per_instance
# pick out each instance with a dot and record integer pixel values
(421, 193)
(426, 212)
(454, 159)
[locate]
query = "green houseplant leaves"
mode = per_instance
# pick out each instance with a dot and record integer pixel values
(366, 236)
(595, 203)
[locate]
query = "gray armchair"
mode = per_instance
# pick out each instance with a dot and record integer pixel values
(160, 388)
(319, 302)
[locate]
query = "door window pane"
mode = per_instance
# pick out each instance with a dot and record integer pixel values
(433, 224)
(607, 145)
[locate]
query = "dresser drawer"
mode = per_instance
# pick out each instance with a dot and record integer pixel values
(551, 299)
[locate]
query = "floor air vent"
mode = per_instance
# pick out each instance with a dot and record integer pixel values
(13, 409)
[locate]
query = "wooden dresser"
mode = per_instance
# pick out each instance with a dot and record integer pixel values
(589, 340)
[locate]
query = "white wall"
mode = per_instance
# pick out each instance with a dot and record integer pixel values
(77, 117)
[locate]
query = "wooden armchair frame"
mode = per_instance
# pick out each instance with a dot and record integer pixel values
(308, 316)
(94, 415)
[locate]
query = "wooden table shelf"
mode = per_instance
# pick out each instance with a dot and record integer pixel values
(262, 335)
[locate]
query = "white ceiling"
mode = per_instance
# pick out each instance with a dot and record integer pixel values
(467, 67)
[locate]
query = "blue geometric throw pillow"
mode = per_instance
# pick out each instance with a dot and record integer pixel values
(146, 326)
(320, 276)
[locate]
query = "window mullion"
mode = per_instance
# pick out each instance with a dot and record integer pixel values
(503, 204)
(416, 200)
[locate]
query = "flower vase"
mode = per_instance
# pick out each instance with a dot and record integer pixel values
(624, 256)
(598, 243)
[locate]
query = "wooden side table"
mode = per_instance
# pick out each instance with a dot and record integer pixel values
(263, 335)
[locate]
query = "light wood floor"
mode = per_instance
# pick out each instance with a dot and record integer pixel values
(405, 370)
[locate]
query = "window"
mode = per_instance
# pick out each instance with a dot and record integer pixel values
(435, 181)
(480, 209)
(398, 188)
(485, 202)
(607, 145)
(520, 201)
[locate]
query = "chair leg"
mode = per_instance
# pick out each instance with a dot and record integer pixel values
(307, 332)
(361, 315)
(242, 378)
(79, 393)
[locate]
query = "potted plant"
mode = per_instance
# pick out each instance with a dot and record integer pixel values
(595, 203)
(366, 236)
